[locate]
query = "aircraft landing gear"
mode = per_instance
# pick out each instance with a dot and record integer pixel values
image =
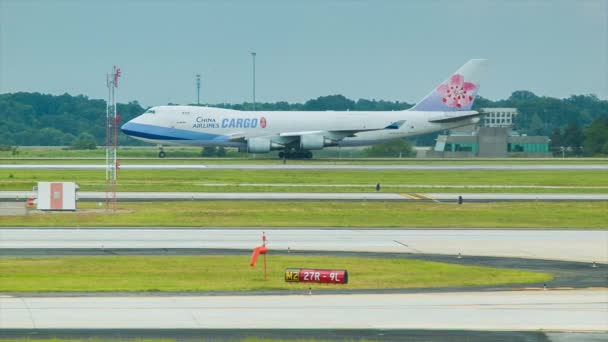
(161, 153)
(295, 154)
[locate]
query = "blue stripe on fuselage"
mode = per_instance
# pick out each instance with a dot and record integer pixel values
(163, 133)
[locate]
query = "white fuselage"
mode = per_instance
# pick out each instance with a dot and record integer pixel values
(209, 126)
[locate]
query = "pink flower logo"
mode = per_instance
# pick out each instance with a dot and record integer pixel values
(263, 122)
(456, 92)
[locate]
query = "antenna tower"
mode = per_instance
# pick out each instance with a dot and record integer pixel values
(112, 121)
(198, 89)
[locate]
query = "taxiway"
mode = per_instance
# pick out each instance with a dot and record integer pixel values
(312, 166)
(572, 245)
(319, 196)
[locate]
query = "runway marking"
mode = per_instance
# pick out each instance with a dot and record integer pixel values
(418, 197)
(411, 196)
(407, 246)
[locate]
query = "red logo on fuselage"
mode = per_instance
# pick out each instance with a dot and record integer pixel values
(263, 122)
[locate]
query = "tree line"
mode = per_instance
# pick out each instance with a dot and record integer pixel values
(579, 122)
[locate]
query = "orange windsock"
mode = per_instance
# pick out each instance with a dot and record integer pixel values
(256, 252)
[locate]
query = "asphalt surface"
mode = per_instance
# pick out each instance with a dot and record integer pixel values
(388, 335)
(319, 196)
(364, 167)
(558, 310)
(572, 245)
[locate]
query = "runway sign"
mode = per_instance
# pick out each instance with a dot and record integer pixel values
(307, 275)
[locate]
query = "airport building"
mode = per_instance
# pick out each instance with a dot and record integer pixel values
(498, 117)
(494, 138)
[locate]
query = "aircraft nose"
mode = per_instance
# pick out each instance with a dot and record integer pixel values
(128, 128)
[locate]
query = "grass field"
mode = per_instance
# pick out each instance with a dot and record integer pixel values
(318, 180)
(184, 154)
(201, 339)
(327, 214)
(233, 273)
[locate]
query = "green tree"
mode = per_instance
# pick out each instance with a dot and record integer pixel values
(50, 136)
(556, 139)
(331, 102)
(596, 137)
(23, 116)
(209, 151)
(221, 151)
(536, 125)
(573, 137)
(85, 141)
(391, 149)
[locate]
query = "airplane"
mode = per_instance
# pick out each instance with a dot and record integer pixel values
(296, 133)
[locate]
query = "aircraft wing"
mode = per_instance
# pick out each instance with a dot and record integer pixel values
(237, 136)
(341, 134)
(454, 116)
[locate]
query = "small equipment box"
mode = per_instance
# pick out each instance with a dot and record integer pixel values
(56, 196)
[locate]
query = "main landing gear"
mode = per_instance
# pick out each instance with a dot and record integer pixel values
(295, 154)
(161, 152)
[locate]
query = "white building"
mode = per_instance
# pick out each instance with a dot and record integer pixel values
(56, 195)
(498, 117)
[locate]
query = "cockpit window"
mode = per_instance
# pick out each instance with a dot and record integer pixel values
(149, 111)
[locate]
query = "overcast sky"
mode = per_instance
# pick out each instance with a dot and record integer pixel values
(391, 50)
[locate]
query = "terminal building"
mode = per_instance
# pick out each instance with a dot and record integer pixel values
(493, 137)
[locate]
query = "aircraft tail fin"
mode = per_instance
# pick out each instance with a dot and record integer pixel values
(458, 92)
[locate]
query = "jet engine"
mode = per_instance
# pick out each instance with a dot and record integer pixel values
(262, 145)
(314, 142)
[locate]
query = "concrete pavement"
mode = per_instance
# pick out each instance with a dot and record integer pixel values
(575, 310)
(572, 245)
(325, 166)
(318, 196)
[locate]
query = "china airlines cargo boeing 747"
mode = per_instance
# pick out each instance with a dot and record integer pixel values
(295, 134)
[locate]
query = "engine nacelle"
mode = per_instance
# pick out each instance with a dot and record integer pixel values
(261, 145)
(314, 142)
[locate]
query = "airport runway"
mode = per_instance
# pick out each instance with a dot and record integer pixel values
(558, 310)
(324, 166)
(572, 245)
(319, 196)
(388, 335)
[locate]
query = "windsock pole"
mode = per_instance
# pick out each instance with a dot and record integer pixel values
(260, 250)
(264, 244)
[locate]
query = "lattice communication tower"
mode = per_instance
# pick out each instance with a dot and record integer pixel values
(112, 122)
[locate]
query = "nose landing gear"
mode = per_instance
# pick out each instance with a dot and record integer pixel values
(161, 152)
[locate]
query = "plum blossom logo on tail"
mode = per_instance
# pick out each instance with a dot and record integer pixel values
(263, 122)
(456, 92)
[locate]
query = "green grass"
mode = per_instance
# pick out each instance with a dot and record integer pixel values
(327, 214)
(179, 154)
(94, 339)
(201, 339)
(233, 273)
(316, 180)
